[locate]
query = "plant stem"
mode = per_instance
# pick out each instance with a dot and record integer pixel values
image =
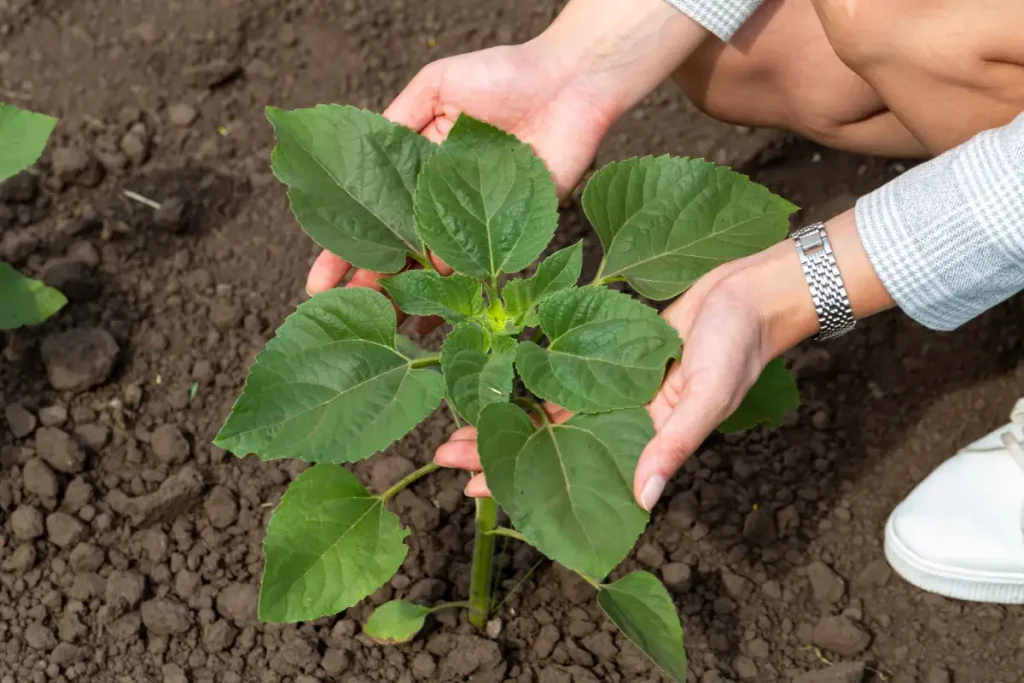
(455, 415)
(425, 362)
(505, 531)
(534, 408)
(421, 259)
(448, 605)
(415, 476)
(483, 558)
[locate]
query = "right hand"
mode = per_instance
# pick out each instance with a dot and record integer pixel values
(521, 90)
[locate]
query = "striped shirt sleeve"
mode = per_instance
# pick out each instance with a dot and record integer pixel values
(721, 17)
(947, 237)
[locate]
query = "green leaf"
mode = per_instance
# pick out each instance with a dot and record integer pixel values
(607, 351)
(773, 395)
(23, 136)
(455, 298)
(351, 175)
(330, 386)
(484, 203)
(395, 622)
(642, 609)
(559, 271)
(569, 487)
(329, 544)
(666, 221)
(24, 301)
(473, 378)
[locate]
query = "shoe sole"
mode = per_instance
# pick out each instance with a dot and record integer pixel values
(959, 584)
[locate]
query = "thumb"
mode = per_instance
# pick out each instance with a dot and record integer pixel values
(701, 408)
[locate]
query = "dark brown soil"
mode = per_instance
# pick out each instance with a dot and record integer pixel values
(130, 547)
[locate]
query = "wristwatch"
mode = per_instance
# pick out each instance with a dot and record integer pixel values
(832, 304)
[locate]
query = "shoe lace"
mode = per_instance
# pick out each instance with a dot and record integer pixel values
(1014, 445)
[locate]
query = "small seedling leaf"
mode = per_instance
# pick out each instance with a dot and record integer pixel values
(559, 271)
(477, 369)
(351, 175)
(331, 386)
(773, 395)
(396, 622)
(23, 136)
(568, 488)
(484, 203)
(455, 298)
(329, 544)
(666, 221)
(642, 609)
(607, 351)
(24, 301)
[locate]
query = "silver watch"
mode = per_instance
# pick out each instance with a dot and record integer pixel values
(832, 304)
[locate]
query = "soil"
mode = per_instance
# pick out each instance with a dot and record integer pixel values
(130, 548)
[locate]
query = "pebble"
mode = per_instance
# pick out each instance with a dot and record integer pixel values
(182, 114)
(738, 587)
(135, 144)
(169, 445)
(677, 576)
(53, 416)
(87, 557)
(938, 674)
(20, 420)
(59, 450)
(38, 637)
(225, 316)
(79, 359)
(745, 668)
(77, 495)
(219, 636)
(21, 560)
(63, 530)
(336, 662)
(125, 588)
(876, 574)
(841, 635)
(171, 215)
(74, 165)
(650, 555)
(166, 617)
(759, 526)
(40, 480)
(93, 435)
(221, 507)
(237, 601)
(826, 586)
(27, 523)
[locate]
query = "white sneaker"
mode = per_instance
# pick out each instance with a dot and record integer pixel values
(960, 533)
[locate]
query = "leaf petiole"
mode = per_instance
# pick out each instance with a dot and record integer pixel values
(408, 480)
(505, 531)
(533, 407)
(425, 362)
(421, 259)
(449, 605)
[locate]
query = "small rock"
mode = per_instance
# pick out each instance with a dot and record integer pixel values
(27, 523)
(76, 496)
(493, 629)
(125, 627)
(841, 635)
(938, 674)
(73, 165)
(336, 662)
(426, 590)
(219, 636)
(93, 435)
(20, 420)
(650, 555)
(182, 114)
(166, 617)
(125, 588)
(745, 668)
(135, 144)
(38, 637)
(423, 666)
(21, 560)
(59, 450)
(40, 480)
(171, 215)
(221, 507)
(87, 557)
(173, 673)
(826, 586)
(847, 672)
(53, 416)
(176, 494)
(737, 587)
(676, 576)
(226, 316)
(79, 359)
(84, 252)
(169, 445)
(64, 654)
(877, 573)
(237, 601)
(545, 641)
(63, 530)
(759, 526)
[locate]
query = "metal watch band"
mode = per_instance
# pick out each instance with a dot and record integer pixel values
(832, 304)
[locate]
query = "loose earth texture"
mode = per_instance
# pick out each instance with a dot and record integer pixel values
(130, 548)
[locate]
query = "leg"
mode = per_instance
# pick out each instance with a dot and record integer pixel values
(781, 72)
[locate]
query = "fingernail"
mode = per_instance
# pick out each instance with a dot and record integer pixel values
(652, 491)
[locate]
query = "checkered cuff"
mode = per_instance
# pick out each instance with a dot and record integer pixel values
(947, 237)
(721, 17)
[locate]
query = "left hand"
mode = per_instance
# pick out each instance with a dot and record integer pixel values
(734, 321)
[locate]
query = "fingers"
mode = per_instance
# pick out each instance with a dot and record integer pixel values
(460, 451)
(327, 271)
(437, 130)
(416, 106)
(477, 487)
(366, 278)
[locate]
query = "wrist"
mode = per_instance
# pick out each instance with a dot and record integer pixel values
(617, 52)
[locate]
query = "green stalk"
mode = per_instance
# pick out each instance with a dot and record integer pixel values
(425, 362)
(415, 476)
(483, 558)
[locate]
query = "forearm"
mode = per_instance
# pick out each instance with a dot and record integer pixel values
(623, 50)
